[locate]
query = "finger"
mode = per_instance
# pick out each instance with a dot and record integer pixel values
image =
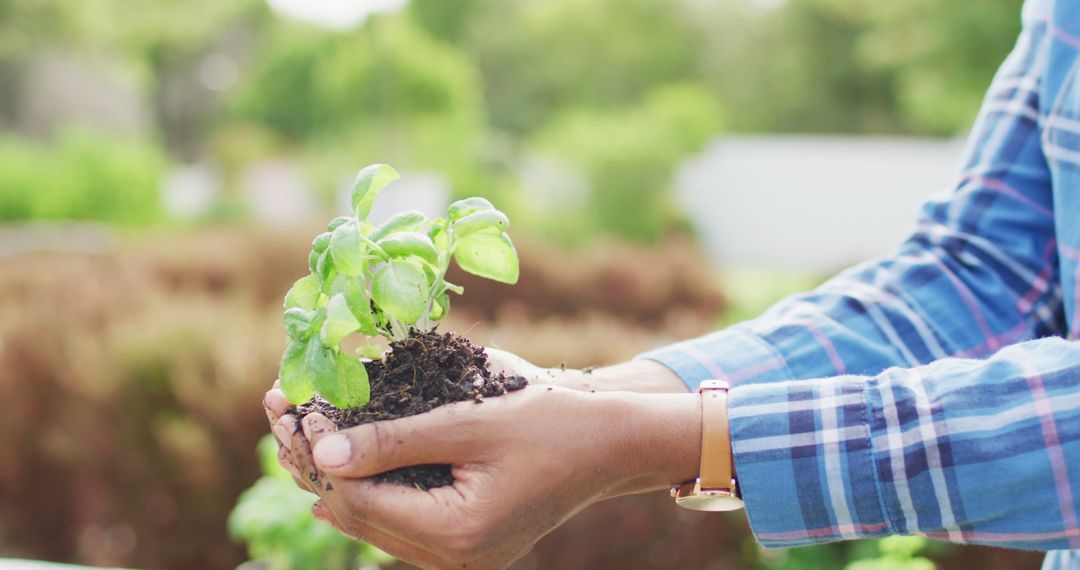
(444, 435)
(301, 455)
(323, 513)
(275, 404)
(284, 429)
(285, 461)
(400, 549)
(400, 511)
(316, 426)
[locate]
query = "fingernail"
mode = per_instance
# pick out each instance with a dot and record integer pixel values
(332, 451)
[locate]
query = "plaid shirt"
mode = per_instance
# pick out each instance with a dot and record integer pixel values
(936, 391)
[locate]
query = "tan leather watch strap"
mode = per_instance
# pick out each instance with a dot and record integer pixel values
(715, 437)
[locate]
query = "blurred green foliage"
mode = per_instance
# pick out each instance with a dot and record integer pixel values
(627, 156)
(896, 553)
(274, 518)
(80, 176)
(620, 90)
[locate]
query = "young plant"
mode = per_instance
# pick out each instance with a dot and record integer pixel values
(383, 280)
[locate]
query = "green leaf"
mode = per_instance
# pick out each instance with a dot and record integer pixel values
(295, 382)
(441, 307)
(360, 306)
(439, 237)
(336, 223)
(369, 182)
(348, 249)
(400, 288)
(313, 261)
(351, 388)
(317, 320)
(321, 242)
(320, 367)
(478, 221)
(298, 323)
(402, 222)
(404, 244)
(339, 323)
(304, 293)
(488, 254)
(324, 268)
(371, 351)
(339, 284)
(463, 208)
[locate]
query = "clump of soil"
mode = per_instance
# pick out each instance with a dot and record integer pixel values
(420, 373)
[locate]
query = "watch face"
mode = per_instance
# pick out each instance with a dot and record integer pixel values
(710, 502)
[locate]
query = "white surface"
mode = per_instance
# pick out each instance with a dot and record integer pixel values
(809, 202)
(278, 192)
(12, 564)
(341, 14)
(427, 192)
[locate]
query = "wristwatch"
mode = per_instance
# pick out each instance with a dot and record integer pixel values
(715, 488)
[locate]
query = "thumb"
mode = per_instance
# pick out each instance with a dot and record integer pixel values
(441, 436)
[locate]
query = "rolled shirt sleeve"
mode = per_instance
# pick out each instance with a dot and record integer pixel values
(971, 451)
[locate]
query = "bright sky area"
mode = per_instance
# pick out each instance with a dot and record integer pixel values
(340, 14)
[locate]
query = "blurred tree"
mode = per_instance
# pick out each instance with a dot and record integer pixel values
(627, 156)
(791, 68)
(942, 54)
(166, 40)
(446, 20)
(538, 58)
(385, 92)
(81, 176)
(856, 65)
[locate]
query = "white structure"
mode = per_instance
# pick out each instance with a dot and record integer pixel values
(428, 192)
(278, 192)
(810, 202)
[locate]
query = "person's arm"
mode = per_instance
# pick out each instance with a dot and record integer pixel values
(979, 451)
(979, 273)
(962, 450)
(642, 376)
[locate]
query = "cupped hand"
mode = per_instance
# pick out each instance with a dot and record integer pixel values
(276, 405)
(523, 464)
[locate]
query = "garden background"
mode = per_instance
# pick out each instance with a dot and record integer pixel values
(163, 166)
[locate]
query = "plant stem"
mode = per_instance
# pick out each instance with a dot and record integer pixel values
(439, 285)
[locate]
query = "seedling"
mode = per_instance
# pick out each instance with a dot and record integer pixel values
(387, 280)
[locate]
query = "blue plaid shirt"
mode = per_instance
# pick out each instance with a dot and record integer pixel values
(936, 391)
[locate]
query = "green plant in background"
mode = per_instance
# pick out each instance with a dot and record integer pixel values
(890, 553)
(628, 156)
(81, 176)
(274, 518)
(384, 280)
(896, 553)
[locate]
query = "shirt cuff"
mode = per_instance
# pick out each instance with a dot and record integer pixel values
(731, 355)
(804, 461)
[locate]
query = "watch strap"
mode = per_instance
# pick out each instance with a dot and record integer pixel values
(716, 469)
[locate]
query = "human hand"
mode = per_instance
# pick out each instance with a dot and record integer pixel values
(645, 376)
(523, 464)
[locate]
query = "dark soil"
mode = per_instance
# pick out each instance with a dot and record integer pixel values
(420, 373)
